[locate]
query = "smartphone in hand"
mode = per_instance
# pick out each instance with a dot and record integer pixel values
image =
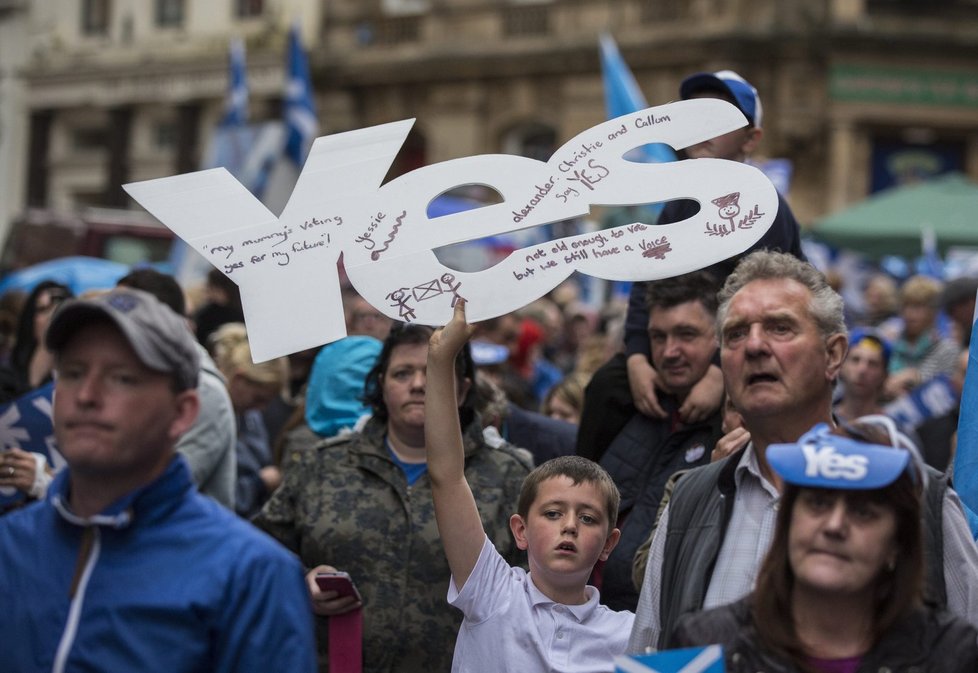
(339, 582)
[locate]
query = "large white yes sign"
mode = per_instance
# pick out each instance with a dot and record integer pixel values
(286, 266)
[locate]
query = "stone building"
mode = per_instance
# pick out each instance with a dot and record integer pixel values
(857, 93)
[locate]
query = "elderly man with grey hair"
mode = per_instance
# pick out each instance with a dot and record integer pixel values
(782, 344)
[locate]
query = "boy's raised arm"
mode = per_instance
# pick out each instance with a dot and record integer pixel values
(456, 512)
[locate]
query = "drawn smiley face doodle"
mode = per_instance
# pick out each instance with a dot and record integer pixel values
(729, 205)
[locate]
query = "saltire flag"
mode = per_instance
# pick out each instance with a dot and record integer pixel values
(26, 424)
(707, 659)
(622, 96)
(236, 103)
(966, 455)
(300, 111)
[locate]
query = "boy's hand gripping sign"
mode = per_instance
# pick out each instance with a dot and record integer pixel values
(286, 266)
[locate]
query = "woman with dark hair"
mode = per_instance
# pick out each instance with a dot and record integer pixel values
(841, 588)
(30, 361)
(361, 503)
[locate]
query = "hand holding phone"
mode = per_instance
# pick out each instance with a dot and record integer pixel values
(339, 582)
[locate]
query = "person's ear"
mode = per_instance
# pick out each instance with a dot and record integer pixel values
(610, 543)
(836, 348)
(187, 407)
(518, 526)
(751, 142)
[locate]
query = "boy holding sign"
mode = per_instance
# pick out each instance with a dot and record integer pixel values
(549, 619)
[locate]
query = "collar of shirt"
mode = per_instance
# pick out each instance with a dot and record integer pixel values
(748, 468)
(579, 612)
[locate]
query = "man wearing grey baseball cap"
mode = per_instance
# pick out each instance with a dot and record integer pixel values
(124, 566)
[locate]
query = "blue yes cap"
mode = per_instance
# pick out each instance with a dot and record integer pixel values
(821, 459)
(739, 89)
(486, 353)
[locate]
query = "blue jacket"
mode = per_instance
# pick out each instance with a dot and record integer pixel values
(171, 581)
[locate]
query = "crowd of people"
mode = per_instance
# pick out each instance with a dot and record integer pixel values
(727, 457)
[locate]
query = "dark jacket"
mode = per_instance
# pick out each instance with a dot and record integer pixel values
(640, 460)
(346, 503)
(926, 641)
(699, 513)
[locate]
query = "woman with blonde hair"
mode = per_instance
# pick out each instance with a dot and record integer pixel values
(251, 387)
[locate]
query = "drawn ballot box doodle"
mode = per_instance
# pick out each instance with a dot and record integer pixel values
(284, 267)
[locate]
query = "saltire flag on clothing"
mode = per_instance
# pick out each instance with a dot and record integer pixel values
(26, 424)
(300, 111)
(966, 455)
(707, 659)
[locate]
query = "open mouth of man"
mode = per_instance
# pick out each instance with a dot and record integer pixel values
(761, 378)
(567, 547)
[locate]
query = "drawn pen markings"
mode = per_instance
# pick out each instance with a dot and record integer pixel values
(222, 248)
(398, 221)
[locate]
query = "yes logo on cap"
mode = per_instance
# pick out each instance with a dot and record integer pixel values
(828, 463)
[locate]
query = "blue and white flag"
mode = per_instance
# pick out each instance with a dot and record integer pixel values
(236, 103)
(26, 424)
(707, 659)
(622, 96)
(966, 455)
(935, 397)
(300, 111)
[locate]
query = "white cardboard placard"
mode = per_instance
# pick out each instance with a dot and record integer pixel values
(286, 266)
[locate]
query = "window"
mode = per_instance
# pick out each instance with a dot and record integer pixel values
(402, 7)
(244, 9)
(169, 13)
(526, 20)
(533, 140)
(654, 11)
(165, 135)
(87, 139)
(95, 17)
(397, 30)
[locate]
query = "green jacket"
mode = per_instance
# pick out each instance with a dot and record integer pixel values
(347, 504)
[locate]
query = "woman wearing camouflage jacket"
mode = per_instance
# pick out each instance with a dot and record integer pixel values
(362, 504)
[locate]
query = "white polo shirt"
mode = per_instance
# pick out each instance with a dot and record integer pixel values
(510, 625)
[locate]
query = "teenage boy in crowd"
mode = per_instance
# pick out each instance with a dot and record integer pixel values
(549, 619)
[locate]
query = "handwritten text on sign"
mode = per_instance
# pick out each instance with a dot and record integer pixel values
(285, 267)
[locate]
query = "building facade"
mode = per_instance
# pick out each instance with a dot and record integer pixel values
(858, 94)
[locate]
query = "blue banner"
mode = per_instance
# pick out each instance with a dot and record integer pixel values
(966, 455)
(933, 398)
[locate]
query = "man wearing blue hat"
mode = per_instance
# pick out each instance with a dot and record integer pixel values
(607, 408)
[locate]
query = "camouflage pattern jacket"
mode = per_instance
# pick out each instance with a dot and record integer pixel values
(347, 504)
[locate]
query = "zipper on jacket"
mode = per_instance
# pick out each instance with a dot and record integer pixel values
(88, 554)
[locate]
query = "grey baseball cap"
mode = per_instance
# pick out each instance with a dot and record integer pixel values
(159, 337)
